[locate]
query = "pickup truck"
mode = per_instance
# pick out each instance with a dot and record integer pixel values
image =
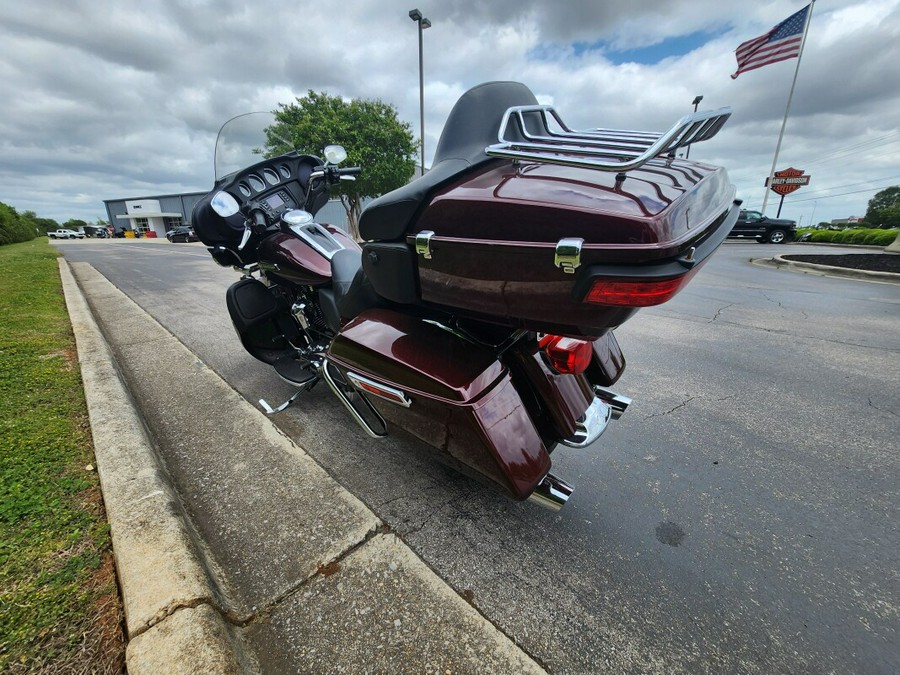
(762, 228)
(63, 233)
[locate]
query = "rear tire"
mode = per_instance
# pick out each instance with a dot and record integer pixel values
(777, 237)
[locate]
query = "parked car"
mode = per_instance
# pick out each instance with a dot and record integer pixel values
(98, 231)
(64, 233)
(183, 233)
(762, 228)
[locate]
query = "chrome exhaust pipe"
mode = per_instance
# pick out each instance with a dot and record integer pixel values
(551, 493)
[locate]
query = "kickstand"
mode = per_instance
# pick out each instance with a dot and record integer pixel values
(272, 411)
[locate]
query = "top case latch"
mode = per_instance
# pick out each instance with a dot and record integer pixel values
(568, 254)
(423, 243)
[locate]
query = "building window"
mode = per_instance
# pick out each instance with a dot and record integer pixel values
(172, 223)
(141, 225)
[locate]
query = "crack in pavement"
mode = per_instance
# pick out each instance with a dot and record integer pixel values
(885, 410)
(323, 569)
(669, 412)
(719, 312)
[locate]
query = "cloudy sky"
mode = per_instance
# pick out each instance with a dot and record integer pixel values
(107, 99)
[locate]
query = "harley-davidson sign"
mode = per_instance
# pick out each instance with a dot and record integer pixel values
(787, 181)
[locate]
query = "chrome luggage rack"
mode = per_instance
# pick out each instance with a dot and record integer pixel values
(534, 139)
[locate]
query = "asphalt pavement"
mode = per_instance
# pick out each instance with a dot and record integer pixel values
(743, 558)
(208, 584)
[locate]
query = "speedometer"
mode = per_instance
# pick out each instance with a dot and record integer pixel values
(256, 182)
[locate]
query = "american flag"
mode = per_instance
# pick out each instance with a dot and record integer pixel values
(779, 44)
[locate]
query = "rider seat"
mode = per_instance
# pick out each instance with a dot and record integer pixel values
(350, 292)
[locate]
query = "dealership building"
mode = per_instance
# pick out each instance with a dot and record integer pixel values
(155, 215)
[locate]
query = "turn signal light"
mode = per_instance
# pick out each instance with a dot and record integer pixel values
(635, 292)
(567, 356)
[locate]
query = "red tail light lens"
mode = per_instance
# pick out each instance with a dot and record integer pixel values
(566, 355)
(635, 292)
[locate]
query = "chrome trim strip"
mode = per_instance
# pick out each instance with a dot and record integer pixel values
(391, 394)
(309, 231)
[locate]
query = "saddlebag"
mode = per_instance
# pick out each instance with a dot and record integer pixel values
(451, 393)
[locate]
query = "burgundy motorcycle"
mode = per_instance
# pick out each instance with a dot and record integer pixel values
(478, 312)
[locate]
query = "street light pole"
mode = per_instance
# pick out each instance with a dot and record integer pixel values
(696, 102)
(424, 23)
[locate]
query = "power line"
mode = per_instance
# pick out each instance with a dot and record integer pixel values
(841, 194)
(840, 187)
(837, 153)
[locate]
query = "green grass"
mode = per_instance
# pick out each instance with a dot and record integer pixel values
(58, 601)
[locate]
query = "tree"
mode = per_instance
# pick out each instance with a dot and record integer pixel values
(368, 129)
(42, 225)
(884, 208)
(14, 228)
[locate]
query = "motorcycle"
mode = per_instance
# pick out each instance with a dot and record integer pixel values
(478, 311)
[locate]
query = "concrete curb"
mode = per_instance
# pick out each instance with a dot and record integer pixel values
(176, 621)
(160, 575)
(779, 262)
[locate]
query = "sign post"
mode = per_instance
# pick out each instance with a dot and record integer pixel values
(785, 182)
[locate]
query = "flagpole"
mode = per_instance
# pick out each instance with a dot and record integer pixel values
(787, 109)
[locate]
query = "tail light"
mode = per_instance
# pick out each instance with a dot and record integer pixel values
(636, 292)
(566, 355)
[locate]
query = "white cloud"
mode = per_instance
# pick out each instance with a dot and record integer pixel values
(118, 100)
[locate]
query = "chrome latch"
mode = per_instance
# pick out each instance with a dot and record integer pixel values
(568, 254)
(423, 243)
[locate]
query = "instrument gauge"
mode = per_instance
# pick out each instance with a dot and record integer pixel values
(285, 171)
(244, 189)
(256, 182)
(270, 176)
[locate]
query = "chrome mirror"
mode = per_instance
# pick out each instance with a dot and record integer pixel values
(335, 154)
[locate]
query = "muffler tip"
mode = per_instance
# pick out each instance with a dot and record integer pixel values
(552, 493)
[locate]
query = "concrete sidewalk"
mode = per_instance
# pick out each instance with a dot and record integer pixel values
(236, 552)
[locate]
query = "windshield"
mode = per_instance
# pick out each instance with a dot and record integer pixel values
(245, 140)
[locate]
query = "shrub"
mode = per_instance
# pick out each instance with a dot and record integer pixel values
(13, 228)
(883, 237)
(868, 236)
(823, 236)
